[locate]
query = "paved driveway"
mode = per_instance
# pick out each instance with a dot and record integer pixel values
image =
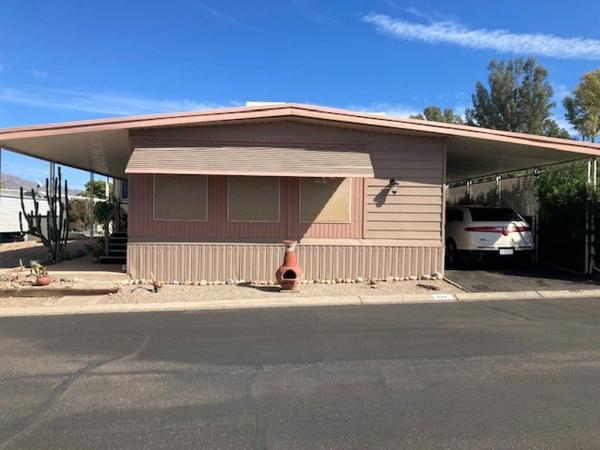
(494, 278)
(474, 375)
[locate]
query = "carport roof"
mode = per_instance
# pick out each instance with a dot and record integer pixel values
(102, 145)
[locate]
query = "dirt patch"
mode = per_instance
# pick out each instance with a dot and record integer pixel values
(14, 253)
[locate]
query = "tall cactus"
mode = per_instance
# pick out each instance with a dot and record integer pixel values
(57, 224)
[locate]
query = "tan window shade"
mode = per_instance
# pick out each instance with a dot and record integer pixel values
(180, 197)
(253, 199)
(325, 200)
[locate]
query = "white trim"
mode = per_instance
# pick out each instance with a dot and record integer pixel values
(257, 221)
(325, 221)
(154, 219)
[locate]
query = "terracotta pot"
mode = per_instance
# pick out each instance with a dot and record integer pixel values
(43, 280)
(289, 274)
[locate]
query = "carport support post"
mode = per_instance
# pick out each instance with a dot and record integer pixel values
(590, 216)
(499, 190)
(52, 175)
(91, 204)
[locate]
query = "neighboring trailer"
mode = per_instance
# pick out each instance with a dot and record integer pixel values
(10, 206)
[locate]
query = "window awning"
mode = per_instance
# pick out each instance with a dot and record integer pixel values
(253, 161)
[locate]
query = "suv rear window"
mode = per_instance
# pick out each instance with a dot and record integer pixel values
(493, 215)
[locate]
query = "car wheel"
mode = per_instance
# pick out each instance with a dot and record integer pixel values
(450, 253)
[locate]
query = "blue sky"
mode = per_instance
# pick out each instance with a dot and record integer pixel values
(68, 60)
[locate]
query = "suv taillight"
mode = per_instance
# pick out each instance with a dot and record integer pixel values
(496, 229)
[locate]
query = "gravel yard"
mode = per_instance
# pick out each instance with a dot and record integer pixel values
(173, 293)
(142, 293)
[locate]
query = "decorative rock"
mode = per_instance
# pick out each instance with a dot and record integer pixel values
(211, 283)
(389, 279)
(396, 278)
(195, 283)
(360, 280)
(230, 282)
(175, 282)
(426, 277)
(270, 282)
(348, 280)
(339, 280)
(188, 282)
(413, 277)
(437, 276)
(203, 282)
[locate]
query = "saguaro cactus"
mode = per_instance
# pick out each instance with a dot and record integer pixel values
(57, 223)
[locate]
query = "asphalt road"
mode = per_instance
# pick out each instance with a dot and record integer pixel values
(474, 375)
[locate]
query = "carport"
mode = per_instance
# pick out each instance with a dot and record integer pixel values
(104, 146)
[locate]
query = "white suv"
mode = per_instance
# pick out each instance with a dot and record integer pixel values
(482, 231)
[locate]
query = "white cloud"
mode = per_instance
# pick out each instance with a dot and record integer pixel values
(101, 103)
(216, 13)
(500, 40)
(40, 73)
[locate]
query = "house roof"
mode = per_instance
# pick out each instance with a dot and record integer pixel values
(102, 145)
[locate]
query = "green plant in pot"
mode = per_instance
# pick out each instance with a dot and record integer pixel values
(41, 274)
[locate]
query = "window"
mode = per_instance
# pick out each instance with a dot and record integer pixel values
(180, 197)
(454, 215)
(325, 200)
(493, 215)
(252, 199)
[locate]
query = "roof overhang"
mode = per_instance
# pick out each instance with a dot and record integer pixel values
(102, 145)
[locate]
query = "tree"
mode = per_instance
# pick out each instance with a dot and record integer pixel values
(519, 98)
(552, 129)
(79, 214)
(99, 189)
(435, 114)
(583, 108)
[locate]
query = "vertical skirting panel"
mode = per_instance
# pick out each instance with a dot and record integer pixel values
(215, 261)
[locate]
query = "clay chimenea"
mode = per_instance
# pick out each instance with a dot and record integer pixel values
(289, 273)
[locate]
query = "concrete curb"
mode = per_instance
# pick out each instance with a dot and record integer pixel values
(292, 302)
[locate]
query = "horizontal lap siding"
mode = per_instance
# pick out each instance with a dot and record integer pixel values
(194, 262)
(415, 211)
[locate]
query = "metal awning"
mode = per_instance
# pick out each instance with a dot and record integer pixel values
(251, 160)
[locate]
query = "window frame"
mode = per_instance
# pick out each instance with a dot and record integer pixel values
(229, 220)
(325, 222)
(154, 219)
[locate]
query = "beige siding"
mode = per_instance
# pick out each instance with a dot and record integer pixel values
(415, 211)
(221, 261)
